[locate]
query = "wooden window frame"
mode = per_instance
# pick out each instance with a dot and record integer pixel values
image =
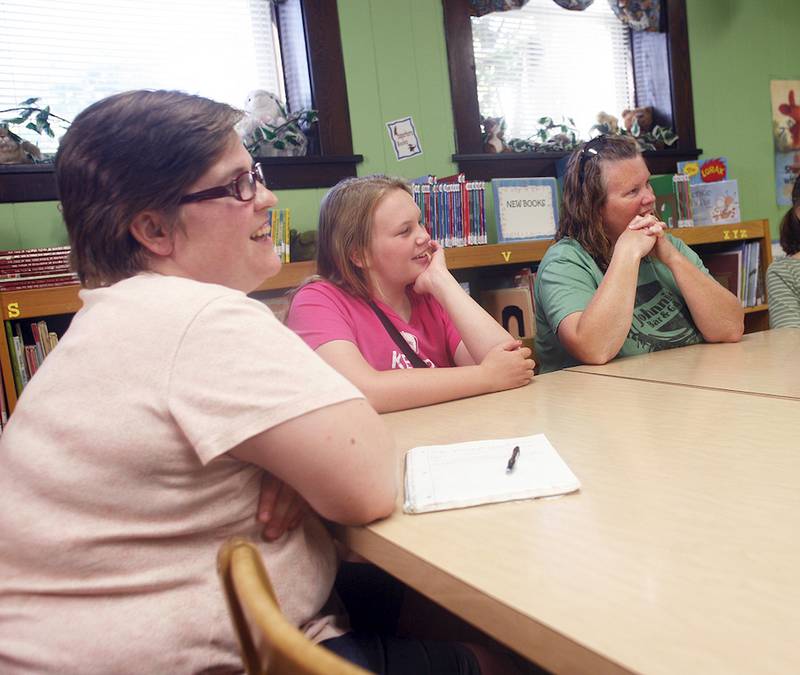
(477, 164)
(36, 182)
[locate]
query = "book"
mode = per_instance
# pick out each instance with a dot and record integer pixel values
(525, 208)
(457, 475)
(726, 268)
(12, 352)
(705, 171)
(716, 203)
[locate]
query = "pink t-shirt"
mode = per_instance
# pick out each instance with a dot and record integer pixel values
(322, 312)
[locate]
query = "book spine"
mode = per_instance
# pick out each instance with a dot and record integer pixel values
(24, 284)
(35, 253)
(41, 327)
(42, 274)
(19, 350)
(14, 362)
(37, 340)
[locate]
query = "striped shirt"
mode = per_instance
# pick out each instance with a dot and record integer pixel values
(783, 292)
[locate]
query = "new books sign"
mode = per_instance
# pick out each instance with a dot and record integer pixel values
(525, 208)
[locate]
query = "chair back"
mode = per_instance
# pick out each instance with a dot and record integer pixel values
(270, 645)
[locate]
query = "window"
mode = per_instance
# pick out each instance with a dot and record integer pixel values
(71, 58)
(70, 54)
(532, 63)
(568, 54)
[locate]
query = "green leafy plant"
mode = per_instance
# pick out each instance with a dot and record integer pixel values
(550, 136)
(31, 117)
(282, 138)
(563, 136)
(657, 138)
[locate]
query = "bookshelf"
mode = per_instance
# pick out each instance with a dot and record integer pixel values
(43, 302)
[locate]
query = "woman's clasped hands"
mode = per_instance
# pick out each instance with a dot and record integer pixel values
(642, 235)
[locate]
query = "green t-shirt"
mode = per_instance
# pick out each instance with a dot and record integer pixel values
(568, 278)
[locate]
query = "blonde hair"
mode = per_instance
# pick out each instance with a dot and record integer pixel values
(345, 230)
(584, 194)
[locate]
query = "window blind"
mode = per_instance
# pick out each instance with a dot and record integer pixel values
(545, 61)
(73, 53)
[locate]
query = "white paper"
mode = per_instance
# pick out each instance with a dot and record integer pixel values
(466, 474)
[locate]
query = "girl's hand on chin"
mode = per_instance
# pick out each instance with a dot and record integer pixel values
(435, 270)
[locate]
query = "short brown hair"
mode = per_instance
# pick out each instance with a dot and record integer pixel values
(125, 154)
(585, 192)
(790, 225)
(345, 229)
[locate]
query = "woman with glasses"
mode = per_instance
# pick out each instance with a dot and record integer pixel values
(615, 283)
(140, 445)
(387, 313)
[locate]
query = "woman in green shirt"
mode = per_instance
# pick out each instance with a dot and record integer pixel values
(615, 283)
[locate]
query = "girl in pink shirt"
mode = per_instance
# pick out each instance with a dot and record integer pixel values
(375, 258)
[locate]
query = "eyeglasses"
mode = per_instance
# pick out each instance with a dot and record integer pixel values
(590, 150)
(243, 188)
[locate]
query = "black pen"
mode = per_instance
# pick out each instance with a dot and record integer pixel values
(513, 459)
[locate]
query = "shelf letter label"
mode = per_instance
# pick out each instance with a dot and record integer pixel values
(734, 234)
(506, 255)
(13, 310)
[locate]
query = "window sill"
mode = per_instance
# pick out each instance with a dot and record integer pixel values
(36, 182)
(485, 166)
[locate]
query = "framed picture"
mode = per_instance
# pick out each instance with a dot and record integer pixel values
(525, 208)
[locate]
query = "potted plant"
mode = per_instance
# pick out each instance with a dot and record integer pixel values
(13, 148)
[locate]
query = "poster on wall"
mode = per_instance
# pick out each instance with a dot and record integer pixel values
(405, 141)
(785, 96)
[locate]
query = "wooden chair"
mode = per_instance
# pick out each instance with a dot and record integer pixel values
(270, 645)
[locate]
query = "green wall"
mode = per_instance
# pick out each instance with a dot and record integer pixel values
(736, 48)
(396, 65)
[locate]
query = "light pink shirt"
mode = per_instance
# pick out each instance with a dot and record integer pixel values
(116, 489)
(321, 312)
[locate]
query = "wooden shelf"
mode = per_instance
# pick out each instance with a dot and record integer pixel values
(714, 234)
(291, 275)
(756, 308)
(42, 302)
(37, 302)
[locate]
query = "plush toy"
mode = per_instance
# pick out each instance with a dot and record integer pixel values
(643, 116)
(303, 245)
(493, 130)
(13, 151)
(268, 131)
(606, 123)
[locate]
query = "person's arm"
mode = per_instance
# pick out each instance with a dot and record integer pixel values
(479, 331)
(784, 303)
(716, 311)
(596, 334)
(505, 366)
(347, 472)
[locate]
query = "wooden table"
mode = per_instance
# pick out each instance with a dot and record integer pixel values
(680, 554)
(762, 363)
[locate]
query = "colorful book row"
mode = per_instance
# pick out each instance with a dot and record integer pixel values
(35, 268)
(738, 270)
(453, 209)
(27, 358)
(280, 223)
